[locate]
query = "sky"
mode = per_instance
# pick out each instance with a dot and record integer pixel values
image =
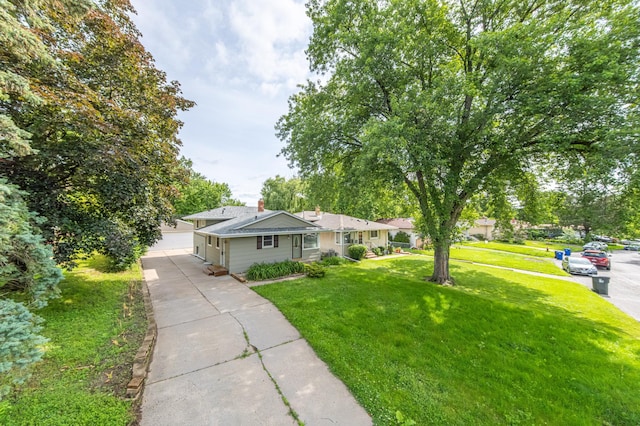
(240, 61)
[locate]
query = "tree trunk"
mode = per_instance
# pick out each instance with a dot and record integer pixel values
(441, 265)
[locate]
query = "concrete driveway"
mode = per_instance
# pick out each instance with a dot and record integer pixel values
(226, 356)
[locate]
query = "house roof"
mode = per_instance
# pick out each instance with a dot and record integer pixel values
(342, 222)
(238, 227)
(224, 213)
(399, 222)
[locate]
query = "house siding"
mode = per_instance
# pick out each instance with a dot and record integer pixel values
(245, 253)
(328, 241)
(199, 245)
(213, 254)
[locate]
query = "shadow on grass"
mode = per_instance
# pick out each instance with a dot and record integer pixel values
(493, 349)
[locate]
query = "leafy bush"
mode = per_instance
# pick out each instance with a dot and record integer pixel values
(357, 251)
(378, 251)
(569, 237)
(402, 237)
(333, 261)
(314, 270)
(268, 271)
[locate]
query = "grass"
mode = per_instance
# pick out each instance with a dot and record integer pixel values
(504, 259)
(536, 251)
(95, 329)
(553, 245)
(498, 348)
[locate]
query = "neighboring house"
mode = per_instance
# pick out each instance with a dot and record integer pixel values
(347, 231)
(404, 225)
(482, 227)
(236, 238)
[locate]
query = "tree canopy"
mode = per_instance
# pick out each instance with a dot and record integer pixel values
(199, 193)
(451, 98)
(92, 126)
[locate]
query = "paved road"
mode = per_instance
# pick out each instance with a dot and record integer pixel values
(624, 281)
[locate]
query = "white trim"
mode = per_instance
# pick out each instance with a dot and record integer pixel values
(264, 245)
(317, 245)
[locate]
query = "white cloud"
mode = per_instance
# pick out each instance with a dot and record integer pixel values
(272, 38)
(239, 60)
(222, 53)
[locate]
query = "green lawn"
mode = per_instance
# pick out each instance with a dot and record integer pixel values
(498, 348)
(95, 329)
(553, 245)
(496, 257)
(529, 250)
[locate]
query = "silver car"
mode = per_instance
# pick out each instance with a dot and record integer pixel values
(596, 245)
(579, 265)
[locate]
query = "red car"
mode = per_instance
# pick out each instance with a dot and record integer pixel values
(598, 258)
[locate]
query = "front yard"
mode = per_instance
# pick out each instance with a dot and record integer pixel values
(498, 348)
(95, 330)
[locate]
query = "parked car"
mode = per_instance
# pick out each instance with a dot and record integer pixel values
(596, 245)
(602, 238)
(579, 265)
(632, 245)
(598, 257)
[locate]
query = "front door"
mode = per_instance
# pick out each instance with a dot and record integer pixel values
(359, 237)
(296, 246)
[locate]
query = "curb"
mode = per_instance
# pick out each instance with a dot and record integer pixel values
(143, 356)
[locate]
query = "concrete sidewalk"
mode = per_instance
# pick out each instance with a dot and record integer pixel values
(226, 356)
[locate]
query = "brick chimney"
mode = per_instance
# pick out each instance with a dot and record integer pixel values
(260, 205)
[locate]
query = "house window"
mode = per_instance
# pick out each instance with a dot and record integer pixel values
(310, 241)
(209, 240)
(373, 235)
(346, 237)
(217, 242)
(267, 241)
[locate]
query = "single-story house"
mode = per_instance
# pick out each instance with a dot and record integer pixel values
(211, 217)
(483, 227)
(347, 230)
(253, 236)
(405, 225)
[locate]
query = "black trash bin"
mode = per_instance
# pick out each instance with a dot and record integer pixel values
(600, 285)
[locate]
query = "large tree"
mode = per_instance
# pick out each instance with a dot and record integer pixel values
(280, 193)
(103, 166)
(452, 96)
(200, 194)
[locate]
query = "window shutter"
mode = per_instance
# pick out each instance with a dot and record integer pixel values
(275, 241)
(259, 238)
